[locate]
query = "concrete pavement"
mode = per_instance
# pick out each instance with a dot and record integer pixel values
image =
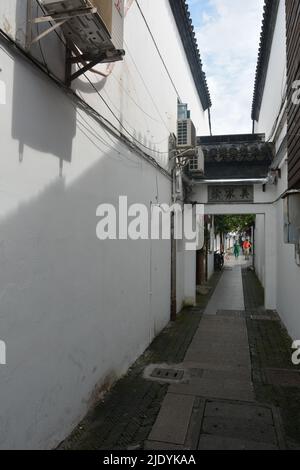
(237, 387)
(214, 405)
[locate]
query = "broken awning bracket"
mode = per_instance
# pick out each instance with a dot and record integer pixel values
(87, 62)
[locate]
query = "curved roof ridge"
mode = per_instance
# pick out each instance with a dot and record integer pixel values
(186, 30)
(264, 51)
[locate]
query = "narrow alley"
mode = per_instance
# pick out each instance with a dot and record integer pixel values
(149, 226)
(222, 384)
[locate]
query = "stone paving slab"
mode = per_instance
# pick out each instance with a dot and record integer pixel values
(173, 420)
(220, 375)
(213, 356)
(247, 423)
(228, 294)
(216, 388)
(282, 377)
(242, 374)
(126, 415)
(250, 413)
(154, 445)
(239, 429)
(208, 366)
(211, 442)
(131, 410)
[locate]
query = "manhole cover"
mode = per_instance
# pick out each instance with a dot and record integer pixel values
(167, 374)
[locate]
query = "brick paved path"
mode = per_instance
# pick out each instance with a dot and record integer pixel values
(214, 406)
(239, 389)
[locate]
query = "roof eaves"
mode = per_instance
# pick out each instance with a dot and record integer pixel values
(186, 30)
(264, 52)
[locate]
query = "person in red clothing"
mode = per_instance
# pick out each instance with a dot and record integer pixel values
(246, 248)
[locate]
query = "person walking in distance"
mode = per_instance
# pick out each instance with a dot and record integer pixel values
(236, 249)
(246, 247)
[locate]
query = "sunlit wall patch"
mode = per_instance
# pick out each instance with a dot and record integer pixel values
(2, 353)
(2, 92)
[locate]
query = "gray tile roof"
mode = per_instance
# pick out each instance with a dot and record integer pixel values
(266, 39)
(186, 30)
(236, 156)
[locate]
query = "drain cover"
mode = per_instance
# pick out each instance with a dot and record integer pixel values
(167, 374)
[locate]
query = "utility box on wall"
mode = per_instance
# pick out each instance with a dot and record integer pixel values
(186, 134)
(98, 32)
(112, 14)
(196, 163)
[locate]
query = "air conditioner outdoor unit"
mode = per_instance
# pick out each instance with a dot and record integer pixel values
(99, 31)
(186, 134)
(196, 162)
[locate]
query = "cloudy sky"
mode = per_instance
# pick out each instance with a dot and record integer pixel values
(228, 34)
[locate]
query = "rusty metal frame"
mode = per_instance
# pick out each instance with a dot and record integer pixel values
(60, 18)
(73, 55)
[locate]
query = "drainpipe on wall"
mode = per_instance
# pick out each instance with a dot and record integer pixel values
(173, 298)
(253, 246)
(173, 314)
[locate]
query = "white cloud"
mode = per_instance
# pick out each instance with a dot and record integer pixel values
(228, 40)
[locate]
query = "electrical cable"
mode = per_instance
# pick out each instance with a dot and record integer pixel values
(157, 48)
(39, 42)
(93, 132)
(146, 87)
(84, 104)
(104, 122)
(133, 100)
(118, 120)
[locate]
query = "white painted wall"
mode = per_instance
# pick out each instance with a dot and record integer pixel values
(287, 272)
(210, 256)
(180, 275)
(259, 236)
(76, 312)
(288, 281)
(190, 278)
(275, 88)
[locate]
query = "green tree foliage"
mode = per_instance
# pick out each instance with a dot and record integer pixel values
(233, 223)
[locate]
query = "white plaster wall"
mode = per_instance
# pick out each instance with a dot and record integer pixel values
(210, 265)
(180, 275)
(210, 256)
(260, 247)
(287, 272)
(190, 278)
(274, 92)
(160, 18)
(76, 312)
(137, 90)
(288, 281)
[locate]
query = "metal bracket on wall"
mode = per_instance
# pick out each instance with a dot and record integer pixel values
(86, 66)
